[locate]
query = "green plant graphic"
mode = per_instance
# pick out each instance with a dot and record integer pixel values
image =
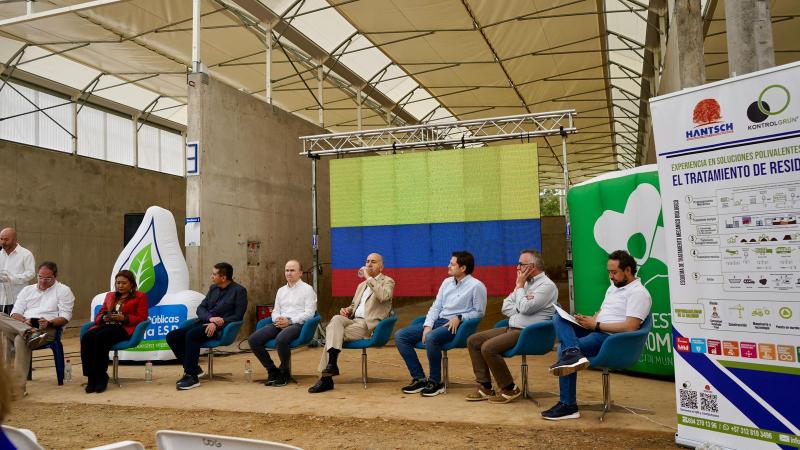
(142, 267)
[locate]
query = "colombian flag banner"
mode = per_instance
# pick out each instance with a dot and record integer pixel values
(415, 209)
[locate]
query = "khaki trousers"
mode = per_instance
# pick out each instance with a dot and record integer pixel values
(14, 332)
(486, 352)
(340, 330)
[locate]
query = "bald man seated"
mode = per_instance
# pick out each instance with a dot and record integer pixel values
(295, 303)
(371, 304)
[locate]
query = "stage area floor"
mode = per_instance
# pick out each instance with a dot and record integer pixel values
(350, 416)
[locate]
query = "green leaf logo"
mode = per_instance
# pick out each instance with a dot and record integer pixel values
(142, 267)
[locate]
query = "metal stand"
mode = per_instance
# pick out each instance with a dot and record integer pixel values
(115, 371)
(364, 377)
(210, 375)
(528, 394)
(608, 405)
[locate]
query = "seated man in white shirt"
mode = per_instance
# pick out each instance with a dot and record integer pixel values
(40, 308)
(625, 307)
(532, 301)
(295, 303)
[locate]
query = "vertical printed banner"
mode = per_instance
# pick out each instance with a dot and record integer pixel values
(415, 209)
(729, 167)
(622, 211)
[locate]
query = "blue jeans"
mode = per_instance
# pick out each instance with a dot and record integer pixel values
(406, 339)
(573, 336)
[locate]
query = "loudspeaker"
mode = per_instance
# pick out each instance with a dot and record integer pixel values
(132, 222)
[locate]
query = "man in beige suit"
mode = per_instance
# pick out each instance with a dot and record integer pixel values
(371, 304)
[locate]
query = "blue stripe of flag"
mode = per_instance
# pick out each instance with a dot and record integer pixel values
(493, 243)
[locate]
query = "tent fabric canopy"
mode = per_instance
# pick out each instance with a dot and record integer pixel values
(415, 61)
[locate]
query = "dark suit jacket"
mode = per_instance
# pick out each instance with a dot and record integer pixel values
(229, 303)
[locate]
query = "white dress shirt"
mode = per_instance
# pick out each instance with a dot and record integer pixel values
(55, 301)
(631, 300)
(297, 303)
(16, 271)
(362, 303)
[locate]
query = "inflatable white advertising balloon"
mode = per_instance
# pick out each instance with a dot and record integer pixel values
(154, 256)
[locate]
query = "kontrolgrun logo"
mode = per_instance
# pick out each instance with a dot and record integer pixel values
(759, 111)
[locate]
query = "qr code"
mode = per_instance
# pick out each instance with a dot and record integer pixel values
(708, 402)
(688, 399)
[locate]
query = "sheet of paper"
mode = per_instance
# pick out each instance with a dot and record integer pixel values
(567, 316)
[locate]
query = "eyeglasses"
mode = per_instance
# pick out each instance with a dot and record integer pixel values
(46, 278)
(524, 265)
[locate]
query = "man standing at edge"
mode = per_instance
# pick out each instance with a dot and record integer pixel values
(225, 302)
(626, 305)
(17, 268)
(461, 297)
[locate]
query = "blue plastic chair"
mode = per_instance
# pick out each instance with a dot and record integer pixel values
(380, 336)
(305, 337)
(619, 351)
(465, 330)
(135, 339)
(535, 339)
(229, 333)
(58, 357)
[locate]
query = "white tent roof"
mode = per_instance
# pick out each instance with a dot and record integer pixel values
(416, 60)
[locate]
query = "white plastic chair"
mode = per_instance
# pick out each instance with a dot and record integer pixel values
(122, 445)
(21, 438)
(181, 440)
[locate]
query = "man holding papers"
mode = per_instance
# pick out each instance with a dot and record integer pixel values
(626, 305)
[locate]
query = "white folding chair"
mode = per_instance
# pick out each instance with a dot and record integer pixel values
(122, 445)
(21, 438)
(181, 440)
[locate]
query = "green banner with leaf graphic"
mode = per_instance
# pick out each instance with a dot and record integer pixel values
(622, 211)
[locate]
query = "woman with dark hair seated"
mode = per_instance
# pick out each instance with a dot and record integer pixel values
(122, 310)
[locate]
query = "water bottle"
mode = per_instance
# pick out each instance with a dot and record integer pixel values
(248, 371)
(148, 372)
(67, 371)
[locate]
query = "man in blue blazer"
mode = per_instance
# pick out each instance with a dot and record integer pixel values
(225, 302)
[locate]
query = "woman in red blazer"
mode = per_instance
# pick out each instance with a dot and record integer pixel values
(122, 310)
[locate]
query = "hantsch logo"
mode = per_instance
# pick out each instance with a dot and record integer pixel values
(707, 117)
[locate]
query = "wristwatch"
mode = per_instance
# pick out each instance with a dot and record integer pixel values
(597, 326)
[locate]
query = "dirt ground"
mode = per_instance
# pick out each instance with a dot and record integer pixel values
(350, 416)
(72, 426)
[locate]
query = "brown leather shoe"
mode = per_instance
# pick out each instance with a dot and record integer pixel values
(480, 394)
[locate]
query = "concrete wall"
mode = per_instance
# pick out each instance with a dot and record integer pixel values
(253, 187)
(70, 210)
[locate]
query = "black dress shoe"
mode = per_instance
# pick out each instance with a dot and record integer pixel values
(281, 380)
(89, 388)
(324, 384)
(272, 375)
(330, 370)
(101, 385)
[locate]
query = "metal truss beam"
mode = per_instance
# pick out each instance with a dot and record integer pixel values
(440, 135)
(317, 53)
